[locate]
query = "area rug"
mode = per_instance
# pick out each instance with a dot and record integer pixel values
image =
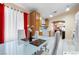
(37, 42)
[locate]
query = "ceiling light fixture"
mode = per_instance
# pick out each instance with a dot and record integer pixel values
(50, 15)
(67, 9)
(40, 18)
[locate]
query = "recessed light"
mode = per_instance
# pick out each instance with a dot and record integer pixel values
(40, 18)
(67, 9)
(50, 15)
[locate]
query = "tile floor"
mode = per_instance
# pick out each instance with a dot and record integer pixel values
(24, 48)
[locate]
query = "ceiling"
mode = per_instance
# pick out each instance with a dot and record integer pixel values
(47, 9)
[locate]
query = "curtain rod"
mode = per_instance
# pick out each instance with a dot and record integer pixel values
(13, 8)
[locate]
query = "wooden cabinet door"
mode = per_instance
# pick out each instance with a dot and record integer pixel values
(32, 22)
(46, 23)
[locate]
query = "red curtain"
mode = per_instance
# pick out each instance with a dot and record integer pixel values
(25, 23)
(1, 23)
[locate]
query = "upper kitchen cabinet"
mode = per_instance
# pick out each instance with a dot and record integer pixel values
(34, 22)
(46, 22)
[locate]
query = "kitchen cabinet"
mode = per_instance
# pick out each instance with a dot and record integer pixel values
(47, 22)
(34, 22)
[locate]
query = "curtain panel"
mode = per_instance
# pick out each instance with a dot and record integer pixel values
(25, 23)
(1, 23)
(10, 24)
(14, 21)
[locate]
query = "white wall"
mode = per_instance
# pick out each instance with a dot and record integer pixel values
(69, 18)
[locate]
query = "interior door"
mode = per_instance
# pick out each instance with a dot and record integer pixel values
(76, 38)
